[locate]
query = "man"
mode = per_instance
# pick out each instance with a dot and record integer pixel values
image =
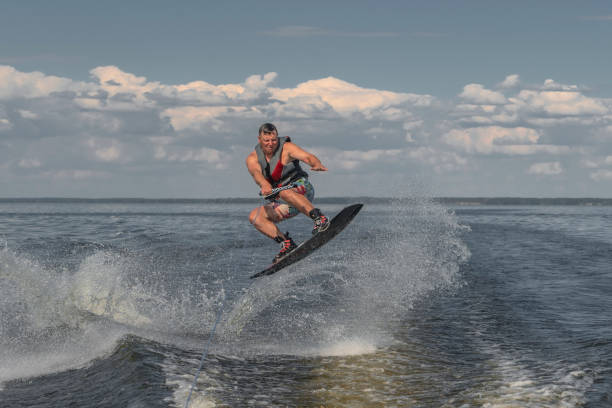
(275, 162)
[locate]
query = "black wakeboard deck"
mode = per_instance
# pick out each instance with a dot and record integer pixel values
(337, 224)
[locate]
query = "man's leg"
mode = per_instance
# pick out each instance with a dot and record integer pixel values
(264, 220)
(299, 199)
(265, 217)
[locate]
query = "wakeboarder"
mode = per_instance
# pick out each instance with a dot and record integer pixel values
(275, 162)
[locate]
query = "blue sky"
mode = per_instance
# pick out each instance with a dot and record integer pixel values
(418, 46)
(161, 99)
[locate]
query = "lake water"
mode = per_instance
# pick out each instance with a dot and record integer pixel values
(111, 303)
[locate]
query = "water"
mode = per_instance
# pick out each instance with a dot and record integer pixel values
(110, 304)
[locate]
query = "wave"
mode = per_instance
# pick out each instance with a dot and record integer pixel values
(346, 300)
(40, 331)
(355, 291)
(55, 319)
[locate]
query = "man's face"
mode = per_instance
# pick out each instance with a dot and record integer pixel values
(268, 141)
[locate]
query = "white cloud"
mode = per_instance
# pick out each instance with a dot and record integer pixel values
(76, 174)
(114, 89)
(105, 150)
(473, 109)
(346, 98)
(589, 164)
(197, 93)
(596, 162)
(524, 150)
(5, 124)
(104, 121)
(111, 153)
(505, 118)
(351, 159)
(369, 155)
(558, 103)
(441, 162)
(601, 175)
(29, 163)
(204, 155)
(548, 122)
(546, 169)
(16, 84)
(410, 127)
(492, 139)
(477, 94)
(510, 82)
(26, 114)
(61, 129)
(552, 104)
(192, 117)
(115, 81)
(551, 85)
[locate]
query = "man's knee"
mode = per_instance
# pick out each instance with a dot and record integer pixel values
(264, 214)
(255, 214)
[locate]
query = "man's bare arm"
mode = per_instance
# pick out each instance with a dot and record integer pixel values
(255, 170)
(295, 152)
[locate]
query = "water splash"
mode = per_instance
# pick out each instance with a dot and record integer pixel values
(100, 290)
(55, 319)
(359, 288)
(40, 332)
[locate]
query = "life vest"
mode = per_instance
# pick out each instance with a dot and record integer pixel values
(274, 171)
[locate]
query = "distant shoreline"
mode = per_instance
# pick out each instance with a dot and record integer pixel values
(475, 201)
(455, 201)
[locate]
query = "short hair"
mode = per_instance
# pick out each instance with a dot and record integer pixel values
(267, 128)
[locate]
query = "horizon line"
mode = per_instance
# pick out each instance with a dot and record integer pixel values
(454, 198)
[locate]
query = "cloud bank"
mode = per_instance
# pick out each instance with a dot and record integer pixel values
(121, 134)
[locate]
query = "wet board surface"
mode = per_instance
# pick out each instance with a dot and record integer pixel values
(337, 224)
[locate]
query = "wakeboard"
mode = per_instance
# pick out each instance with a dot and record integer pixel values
(337, 224)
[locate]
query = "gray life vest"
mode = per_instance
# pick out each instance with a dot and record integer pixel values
(274, 171)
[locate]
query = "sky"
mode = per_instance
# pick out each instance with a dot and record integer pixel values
(161, 99)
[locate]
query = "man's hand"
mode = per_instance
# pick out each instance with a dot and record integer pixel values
(318, 167)
(266, 189)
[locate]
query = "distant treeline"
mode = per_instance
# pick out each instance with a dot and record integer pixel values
(473, 200)
(523, 201)
(451, 201)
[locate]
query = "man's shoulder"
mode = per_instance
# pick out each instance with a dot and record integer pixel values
(290, 145)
